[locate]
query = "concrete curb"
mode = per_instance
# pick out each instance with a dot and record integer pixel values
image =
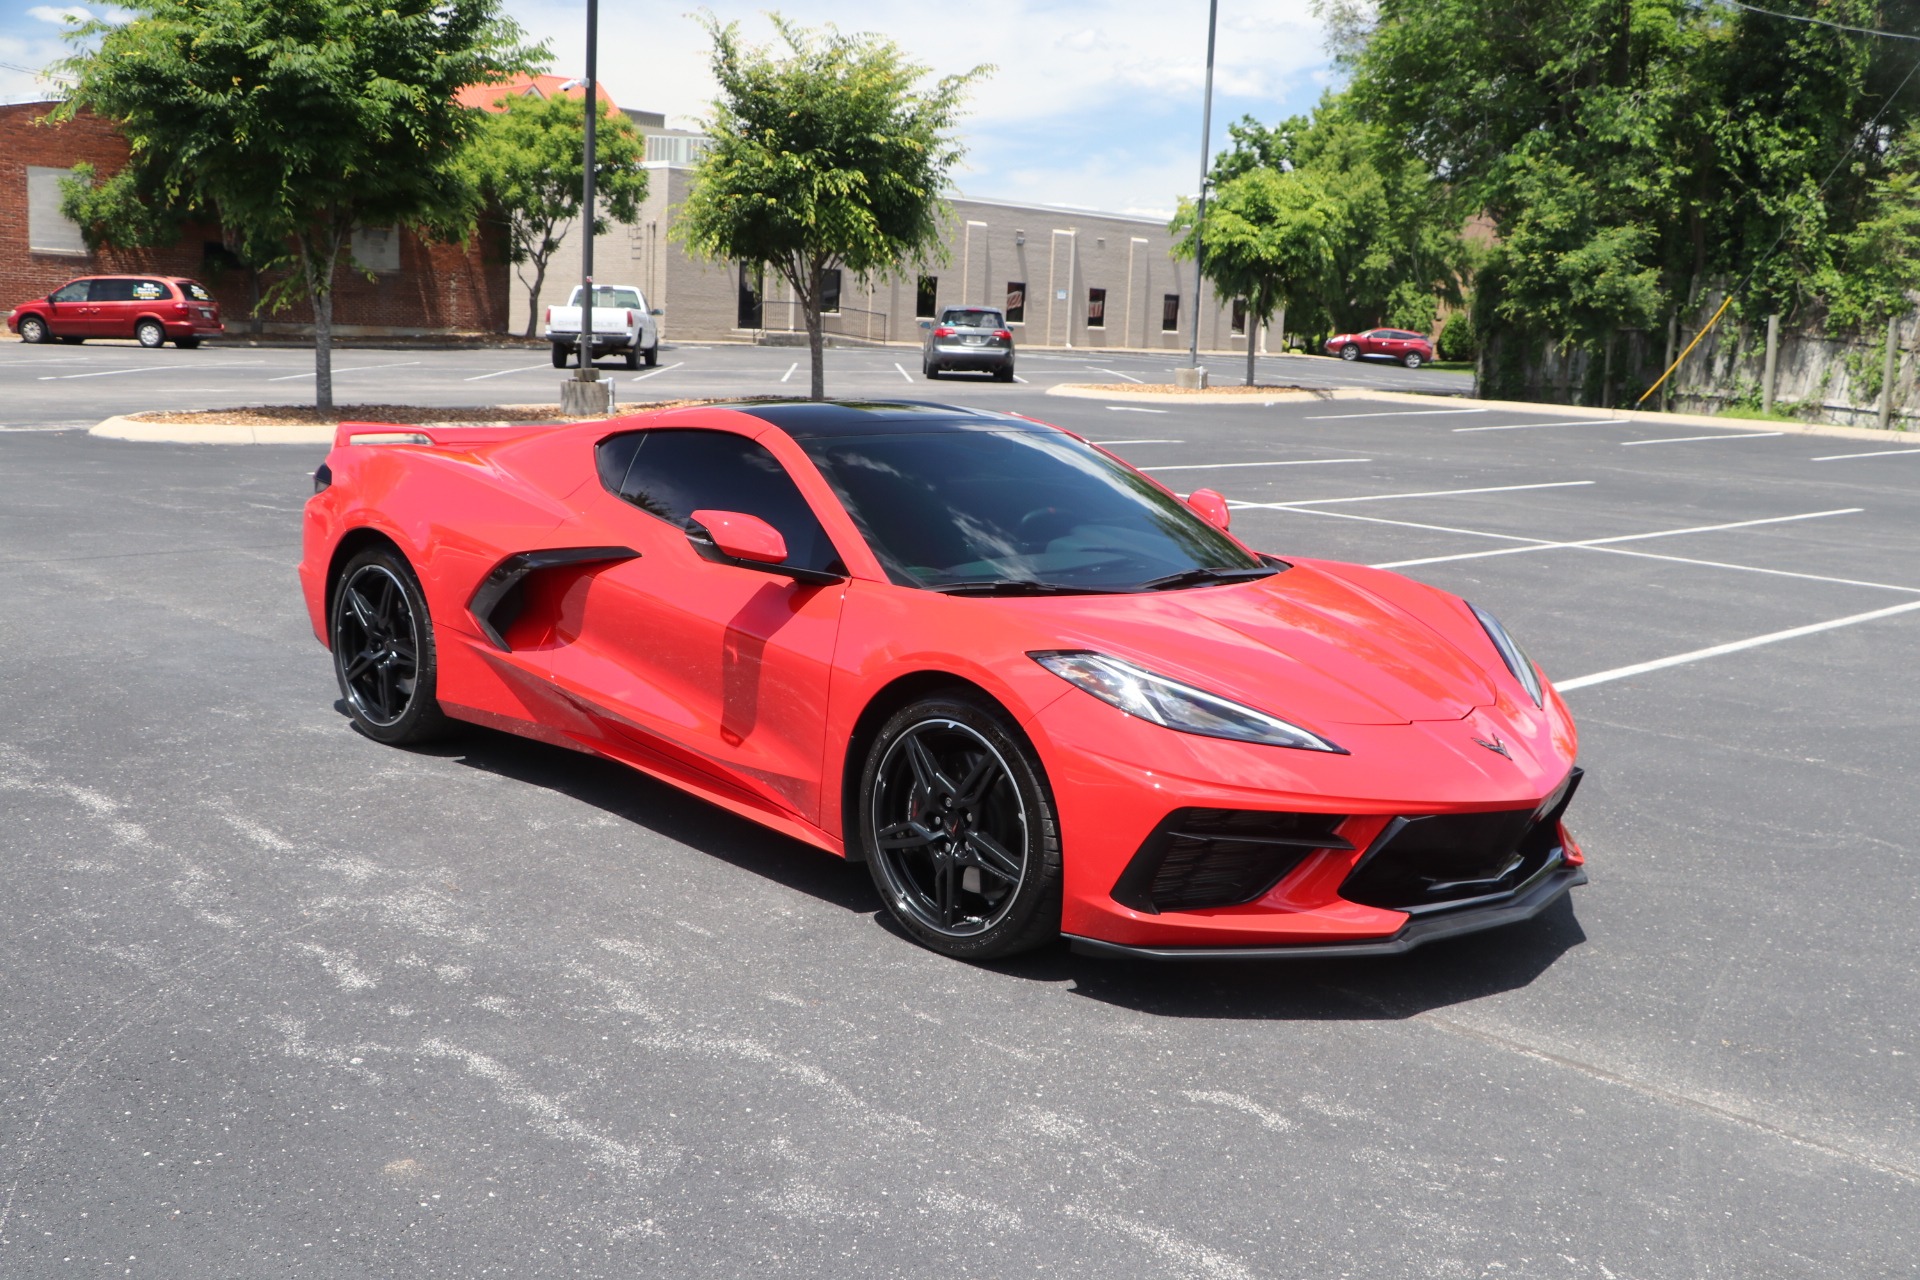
(121, 427)
(1579, 412)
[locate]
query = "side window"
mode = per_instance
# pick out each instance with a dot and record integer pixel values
(673, 473)
(150, 291)
(111, 291)
(75, 292)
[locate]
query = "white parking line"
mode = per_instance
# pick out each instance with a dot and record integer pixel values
(1748, 435)
(1715, 651)
(1107, 443)
(1018, 378)
(1877, 453)
(1558, 422)
(1221, 466)
(903, 372)
(1430, 493)
(1541, 544)
(1754, 568)
(150, 368)
(1116, 373)
(1403, 413)
(482, 377)
(665, 368)
(792, 367)
(1127, 408)
(358, 368)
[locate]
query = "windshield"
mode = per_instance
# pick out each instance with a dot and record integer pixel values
(970, 318)
(608, 296)
(941, 508)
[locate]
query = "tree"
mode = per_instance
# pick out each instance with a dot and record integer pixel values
(826, 155)
(1268, 239)
(530, 161)
(299, 120)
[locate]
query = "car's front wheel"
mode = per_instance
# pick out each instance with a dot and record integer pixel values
(150, 334)
(959, 830)
(653, 355)
(1350, 352)
(383, 651)
(34, 329)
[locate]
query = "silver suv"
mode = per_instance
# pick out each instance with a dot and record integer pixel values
(974, 338)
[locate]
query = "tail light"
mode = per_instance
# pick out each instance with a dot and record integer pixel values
(1005, 335)
(548, 318)
(943, 332)
(629, 317)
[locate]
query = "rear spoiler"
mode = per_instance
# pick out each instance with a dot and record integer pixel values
(435, 437)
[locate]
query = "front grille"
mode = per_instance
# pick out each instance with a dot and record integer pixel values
(1221, 857)
(1427, 863)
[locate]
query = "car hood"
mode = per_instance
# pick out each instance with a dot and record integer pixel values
(1305, 644)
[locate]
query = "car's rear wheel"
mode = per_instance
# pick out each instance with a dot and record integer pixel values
(1412, 360)
(560, 353)
(1004, 374)
(34, 329)
(1350, 352)
(633, 357)
(150, 334)
(959, 830)
(929, 368)
(383, 651)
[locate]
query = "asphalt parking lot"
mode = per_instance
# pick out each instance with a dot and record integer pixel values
(280, 1001)
(67, 386)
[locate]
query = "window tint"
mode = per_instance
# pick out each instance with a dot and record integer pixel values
(945, 507)
(195, 291)
(611, 296)
(75, 292)
(971, 317)
(672, 474)
(111, 291)
(150, 291)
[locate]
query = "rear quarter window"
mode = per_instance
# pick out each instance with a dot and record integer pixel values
(195, 291)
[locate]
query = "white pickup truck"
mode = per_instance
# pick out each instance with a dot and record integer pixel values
(621, 322)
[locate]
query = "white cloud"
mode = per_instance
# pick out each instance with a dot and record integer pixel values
(60, 16)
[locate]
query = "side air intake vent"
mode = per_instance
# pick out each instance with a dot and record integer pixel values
(499, 598)
(1201, 858)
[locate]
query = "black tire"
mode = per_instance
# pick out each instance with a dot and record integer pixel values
(560, 353)
(1350, 352)
(383, 650)
(150, 334)
(930, 369)
(1412, 360)
(1003, 374)
(34, 329)
(959, 831)
(653, 355)
(186, 344)
(633, 357)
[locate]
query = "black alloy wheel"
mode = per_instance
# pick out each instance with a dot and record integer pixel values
(959, 830)
(1350, 352)
(383, 652)
(149, 334)
(34, 329)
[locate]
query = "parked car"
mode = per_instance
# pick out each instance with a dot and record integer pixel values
(1410, 349)
(1034, 690)
(622, 322)
(150, 309)
(968, 338)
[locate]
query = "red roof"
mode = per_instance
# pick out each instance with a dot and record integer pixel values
(487, 96)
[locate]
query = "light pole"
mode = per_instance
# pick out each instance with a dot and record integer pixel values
(584, 392)
(1200, 214)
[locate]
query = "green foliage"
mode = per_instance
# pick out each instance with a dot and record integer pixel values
(529, 161)
(827, 153)
(1876, 263)
(297, 120)
(1458, 342)
(116, 214)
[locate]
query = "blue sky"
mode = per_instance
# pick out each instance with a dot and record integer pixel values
(1095, 105)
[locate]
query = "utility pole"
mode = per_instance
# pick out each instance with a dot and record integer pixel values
(585, 393)
(1887, 372)
(1195, 376)
(1772, 365)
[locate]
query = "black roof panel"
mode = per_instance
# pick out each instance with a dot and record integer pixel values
(812, 419)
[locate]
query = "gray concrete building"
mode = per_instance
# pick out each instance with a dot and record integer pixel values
(1066, 278)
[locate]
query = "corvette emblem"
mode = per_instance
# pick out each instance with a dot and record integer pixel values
(1496, 746)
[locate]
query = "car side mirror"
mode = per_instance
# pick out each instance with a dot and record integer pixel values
(656, 312)
(1212, 507)
(743, 537)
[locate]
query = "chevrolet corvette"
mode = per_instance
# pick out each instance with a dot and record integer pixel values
(1033, 690)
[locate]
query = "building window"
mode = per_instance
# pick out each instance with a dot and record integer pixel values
(375, 248)
(830, 291)
(746, 309)
(1096, 308)
(924, 296)
(1170, 313)
(1238, 327)
(1016, 302)
(49, 230)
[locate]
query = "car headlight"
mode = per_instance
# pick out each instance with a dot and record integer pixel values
(1174, 705)
(1512, 654)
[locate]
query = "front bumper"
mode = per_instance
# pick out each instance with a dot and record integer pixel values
(1527, 902)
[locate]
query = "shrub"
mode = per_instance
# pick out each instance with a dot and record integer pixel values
(1458, 341)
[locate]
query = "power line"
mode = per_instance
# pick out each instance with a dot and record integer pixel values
(1819, 22)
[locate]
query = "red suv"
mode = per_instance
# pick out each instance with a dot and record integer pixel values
(152, 309)
(1410, 349)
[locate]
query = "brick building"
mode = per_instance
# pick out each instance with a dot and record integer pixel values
(416, 287)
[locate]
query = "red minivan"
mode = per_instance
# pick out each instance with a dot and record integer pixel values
(149, 309)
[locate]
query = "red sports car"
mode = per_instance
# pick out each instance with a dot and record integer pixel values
(1032, 689)
(1410, 349)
